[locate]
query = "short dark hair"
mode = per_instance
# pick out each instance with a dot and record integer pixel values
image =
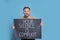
(26, 7)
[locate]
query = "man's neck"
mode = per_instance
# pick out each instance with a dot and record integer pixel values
(26, 16)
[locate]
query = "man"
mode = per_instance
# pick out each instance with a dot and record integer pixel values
(26, 11)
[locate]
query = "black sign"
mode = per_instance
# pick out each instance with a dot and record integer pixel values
(28, 28)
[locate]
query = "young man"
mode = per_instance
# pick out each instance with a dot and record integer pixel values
(26, 11)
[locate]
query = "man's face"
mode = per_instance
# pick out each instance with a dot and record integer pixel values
(26, 12)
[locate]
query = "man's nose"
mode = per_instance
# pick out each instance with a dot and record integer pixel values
(26, 13)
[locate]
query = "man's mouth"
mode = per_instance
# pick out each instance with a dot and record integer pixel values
(27, 14)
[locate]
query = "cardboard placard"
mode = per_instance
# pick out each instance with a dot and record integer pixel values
(28, 28)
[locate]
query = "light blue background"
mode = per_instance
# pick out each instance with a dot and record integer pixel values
(48, 10)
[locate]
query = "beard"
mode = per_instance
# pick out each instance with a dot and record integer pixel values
(26, 15)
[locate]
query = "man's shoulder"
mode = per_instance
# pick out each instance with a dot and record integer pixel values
(30, 17)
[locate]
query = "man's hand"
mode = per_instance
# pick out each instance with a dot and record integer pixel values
(41, 24)
(13, 27)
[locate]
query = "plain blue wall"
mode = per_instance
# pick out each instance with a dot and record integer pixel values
(48, 10)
